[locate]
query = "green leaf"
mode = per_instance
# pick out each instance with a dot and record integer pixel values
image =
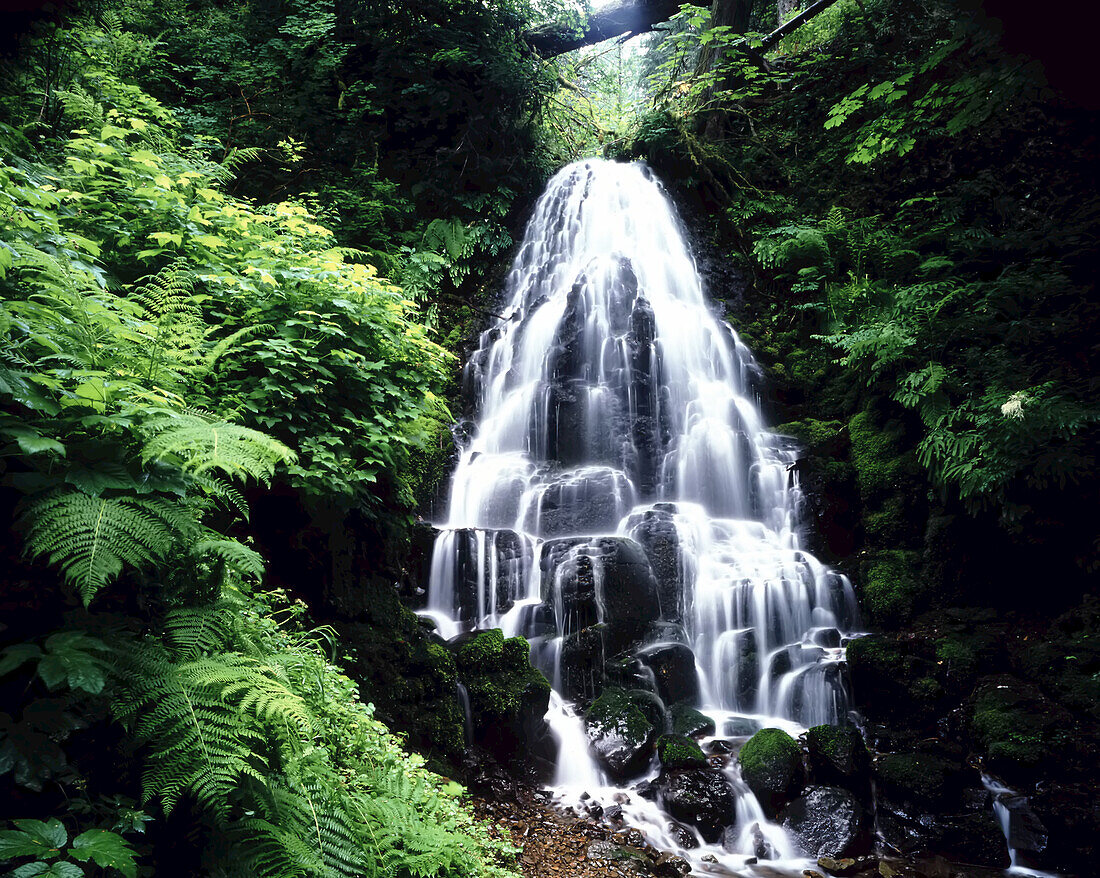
(33, 838)
(108, 850)
(60, 869)
(16, 655)
(39, 444)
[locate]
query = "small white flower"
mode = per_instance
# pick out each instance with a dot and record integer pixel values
(1014, 406)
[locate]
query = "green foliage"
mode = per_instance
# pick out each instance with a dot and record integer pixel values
(47, 842)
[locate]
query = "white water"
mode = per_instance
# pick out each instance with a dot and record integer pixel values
(612, 404)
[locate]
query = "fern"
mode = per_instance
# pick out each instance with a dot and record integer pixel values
(199, 445)
(167, 302)
(232, 553)
(92, 538)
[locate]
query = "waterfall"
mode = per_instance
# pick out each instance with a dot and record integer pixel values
(622, 505)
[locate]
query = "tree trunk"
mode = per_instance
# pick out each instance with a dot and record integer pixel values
(625, 17)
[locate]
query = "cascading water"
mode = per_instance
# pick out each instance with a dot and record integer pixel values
(622, 506)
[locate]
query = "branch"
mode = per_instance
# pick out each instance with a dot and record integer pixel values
(794, 24)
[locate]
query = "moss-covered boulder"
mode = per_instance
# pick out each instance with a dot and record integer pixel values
(771, 764)
(837, 755)
(678, 751)
(621, 730)
(508, 697)
(688, 721)
(1017, 728)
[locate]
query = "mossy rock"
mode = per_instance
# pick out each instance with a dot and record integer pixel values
(771, 764)
(480, 651)
(620, 731)
(1017, 728)
(837, 755)
(679, 751)
(821, 437)
(920, 779)
(688, 721)
(890, 588)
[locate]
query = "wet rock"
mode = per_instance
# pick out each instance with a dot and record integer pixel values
(1026, 832)
(700, 797)
(632, 837)
(582, 501)
(972, 838)
(647, 790)
(656, 533)
(771, 764)
(842, 866)
(838, 756)
(671, 866)
(581, 657)
(673, 667)
(683, 835)
(678, 751)
(688, 721)
(620, 734)
(721, 747)
(740, 727)
(825, 822)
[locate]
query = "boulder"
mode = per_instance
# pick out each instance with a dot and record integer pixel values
(771, 764)
(837, 755)
(678, 751)
(974, 838)
(673, 667)
(688, 721)
(620, 733)
(825, 822)
(700, 797)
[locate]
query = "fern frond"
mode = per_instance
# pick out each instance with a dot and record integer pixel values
(92, 538)
(229, 496)
(226, 344)
(196, 631)
(199, 446)
(236, 555)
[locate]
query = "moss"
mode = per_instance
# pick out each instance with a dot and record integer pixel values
(482, 652)
(1016, 726)
(837, 754)
(615, 712)
(815, 434)
(688, 721)
(890, 587)
(771, 764)
(441, 661)
(877, 455)
(516, 651)
(678, 751)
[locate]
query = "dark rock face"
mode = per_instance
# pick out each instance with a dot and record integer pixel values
(972, 838)
(826, 822)
(506, 551)
(700, 797)
(771, 764)
(620, 732)
(586, 501)
(919, 781)
(656, 533)
(673, 667)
